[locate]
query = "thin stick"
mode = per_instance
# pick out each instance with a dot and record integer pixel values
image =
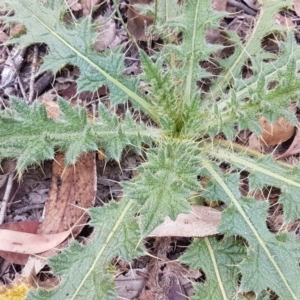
(33, 73)
(16, 70)
(8, 189)
(22, 210)
(243, 7)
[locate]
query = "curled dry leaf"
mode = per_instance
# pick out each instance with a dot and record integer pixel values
(101, 154)
(202, 221)
(294, 147)
(73, 189)
(277, 133)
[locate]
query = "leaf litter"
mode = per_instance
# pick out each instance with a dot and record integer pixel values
(110, 173)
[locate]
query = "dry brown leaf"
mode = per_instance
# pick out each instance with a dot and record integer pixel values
(23, 226)
(277, 133)
(294, 147)
(219, 5)
(297, 7)
(87, 6)
(51, 106)
(137, 23)
(107, 33)
(29, 243)
(74, 5)
(16, 30)
(73, 190)
(254, 4)
(284, 21)
(101, 154)
(130, 284)
(71, 92)
(3, 37)
(254, 143)
(202, 221)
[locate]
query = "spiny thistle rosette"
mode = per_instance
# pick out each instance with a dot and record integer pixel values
(181, 146)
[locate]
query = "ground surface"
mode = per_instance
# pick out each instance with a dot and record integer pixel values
(155, 278)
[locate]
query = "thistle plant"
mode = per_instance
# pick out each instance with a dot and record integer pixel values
(182, 145)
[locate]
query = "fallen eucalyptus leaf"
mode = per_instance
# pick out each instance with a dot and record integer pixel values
(28, 243)
(23, 226)
(202, 221)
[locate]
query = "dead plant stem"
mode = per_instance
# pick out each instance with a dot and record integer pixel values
(8, 189)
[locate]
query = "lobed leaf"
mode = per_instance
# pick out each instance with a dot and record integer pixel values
(218, 260)
(268, 264)
(183, 147)
(165, 183)
(85, 269)
(265, 172)
(264, 25)
(73, 44)
(27, 134)
(251, 98)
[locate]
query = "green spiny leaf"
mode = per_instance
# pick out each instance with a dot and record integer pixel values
(219, 262)
(85, 268)
(267, 253)
(264, 25)
(194, 46)
(251, 98)
(27, 134)
(164, 183)
(169, 178)
(73, 45)
(265, 172)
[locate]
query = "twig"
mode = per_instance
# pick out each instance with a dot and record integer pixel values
(8, 189)
(16, 70)
(43, 82)
(243, 7)
(24, 209)
(33, 73)
(123, 23)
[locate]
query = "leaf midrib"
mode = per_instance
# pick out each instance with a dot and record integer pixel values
(146, 106)
(104, 247)
(220, 181)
